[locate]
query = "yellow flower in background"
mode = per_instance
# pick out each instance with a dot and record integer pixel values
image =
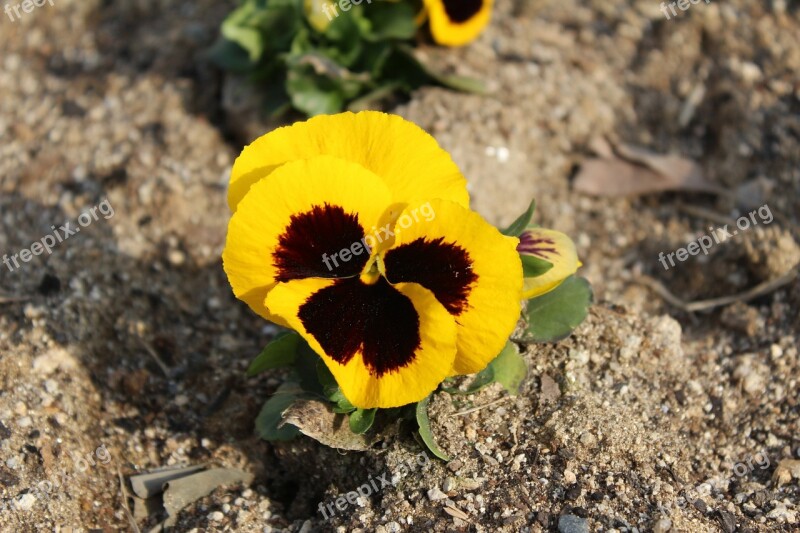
(315, 14)
(457, 22)
(551, 246)
(355, 231)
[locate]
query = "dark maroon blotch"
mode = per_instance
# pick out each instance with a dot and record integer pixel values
(321, 232)
(377, 319)
(461, 11)
(443, 268)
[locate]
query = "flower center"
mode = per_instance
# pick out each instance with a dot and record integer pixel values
(373, 270)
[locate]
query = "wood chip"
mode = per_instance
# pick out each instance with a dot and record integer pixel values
(455, 512)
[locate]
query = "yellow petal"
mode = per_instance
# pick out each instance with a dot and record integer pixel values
(472, 269)
(554, 247)
(408, 160)
(386, 345)
(457, 22)
(318, 13)
(298, 223)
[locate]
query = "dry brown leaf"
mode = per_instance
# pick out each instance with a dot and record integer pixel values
(636, 171)
(317, 420)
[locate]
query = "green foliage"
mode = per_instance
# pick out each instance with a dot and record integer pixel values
(361, 420)
(278, 353)
(425, 430)
(553, 315)
(306, 61)
(268, 422)
(518, 226)
(508, 369)
(533, 266)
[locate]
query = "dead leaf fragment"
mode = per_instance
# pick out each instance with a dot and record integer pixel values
(633, 171)
(317, 420)
(786, 470)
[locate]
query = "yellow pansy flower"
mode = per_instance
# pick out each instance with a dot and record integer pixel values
(354, 230)
(457, 22)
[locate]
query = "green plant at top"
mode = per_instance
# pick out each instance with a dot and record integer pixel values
(305, 61)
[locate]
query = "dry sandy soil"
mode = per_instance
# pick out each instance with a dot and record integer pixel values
(650, 418)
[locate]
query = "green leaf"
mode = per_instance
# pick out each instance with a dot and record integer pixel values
(533, 267)
(248, 38)
(278, 353)
(372, 98)
(425, 430)
(269, 419)
(552, 316)
(463, 84)
(315, 94)
(483, 379)
(510, 368)
(229, 56)
(518, 226)
(361, 420)
(344, 407)
(459, 83)
(390, 20)
(306, 369)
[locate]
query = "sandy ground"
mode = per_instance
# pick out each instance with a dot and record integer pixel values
(126, 337)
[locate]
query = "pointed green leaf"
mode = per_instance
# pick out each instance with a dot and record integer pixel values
(306, 369)
(361, 420)
(230, 56)
(269, 419)
(464, 84)
(518, 226)
(510, 368)
(533, 266)
(425, 430)
(553, 316)
(280, 352)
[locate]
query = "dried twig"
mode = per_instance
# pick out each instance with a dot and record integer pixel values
(702, 212)
(478, 408)
(704, 305)
(125, 507)
(13, 299)
(149, 349)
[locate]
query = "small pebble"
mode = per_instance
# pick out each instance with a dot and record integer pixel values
(435, 494)
(662, 526)
(26, 502)
(216, 516)
(572, 524)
